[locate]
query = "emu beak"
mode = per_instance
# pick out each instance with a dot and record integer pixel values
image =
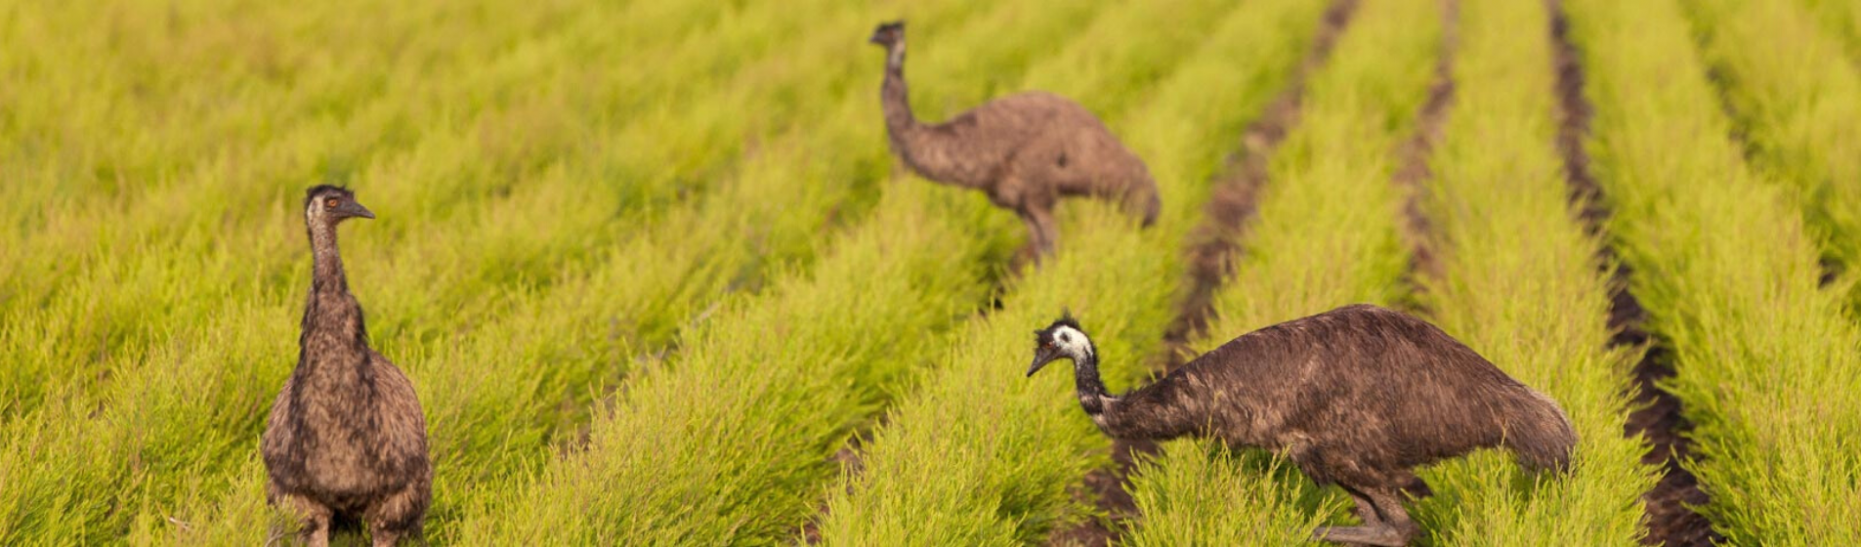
(354, 209)
(1041, 358)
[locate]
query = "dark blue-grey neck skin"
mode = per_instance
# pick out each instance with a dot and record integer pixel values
(1092, 393)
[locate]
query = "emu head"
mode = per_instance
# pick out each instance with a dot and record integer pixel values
(889, 35)
(327, 204)
(1061, 340)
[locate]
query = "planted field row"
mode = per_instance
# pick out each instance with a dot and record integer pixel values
(1766, 362)
(980, 455)
(590, 331)
(1796, 95)
(1519, 283)
(758, 417)
(450, 194)
(207, 382)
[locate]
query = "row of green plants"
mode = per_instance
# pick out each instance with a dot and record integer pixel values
(1728, 270)
(1792, 90)
(1327, 234)
(575, 344)
(454, 273)
(791, 404)
(979, 455)
(121, 277)
(1519, 282)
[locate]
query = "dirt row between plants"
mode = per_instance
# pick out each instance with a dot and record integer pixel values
(1214, 246)
(1211, 253)
(1414, 170)
(1415, 153)
(1657, 413)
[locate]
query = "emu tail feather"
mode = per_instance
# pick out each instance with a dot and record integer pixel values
(1541, 435)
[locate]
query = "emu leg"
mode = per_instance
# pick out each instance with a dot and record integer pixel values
(1046, 237)
(396, 516)
(1381, 527)
(315, 517)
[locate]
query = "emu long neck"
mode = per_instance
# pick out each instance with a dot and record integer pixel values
(1160, 411)
(1092, 394)
(327, 273)
(899, 121)
(333, 331)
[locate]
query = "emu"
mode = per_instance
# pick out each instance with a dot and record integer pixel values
(1356, 396)
(346, 438)
(1025, 150)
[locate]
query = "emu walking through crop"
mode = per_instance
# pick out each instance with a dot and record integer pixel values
(1356, 396)
(346, 437)
(1025, 150)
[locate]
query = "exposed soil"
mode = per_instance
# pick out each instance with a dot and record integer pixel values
(1215, 245)
(1657, 417)
(848, 459)
(1414, 172)
(1211, 255)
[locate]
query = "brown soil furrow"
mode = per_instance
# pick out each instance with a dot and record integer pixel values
(1214, 245)
(1657, 416)
(1414, 154)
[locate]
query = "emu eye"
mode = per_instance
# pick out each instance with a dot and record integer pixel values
(330, 203)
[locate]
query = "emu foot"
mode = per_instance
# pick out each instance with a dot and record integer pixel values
(1382, 536)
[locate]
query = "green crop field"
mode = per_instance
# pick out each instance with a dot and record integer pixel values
(658, 277)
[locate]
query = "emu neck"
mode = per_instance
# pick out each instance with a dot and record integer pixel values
(334, 337)
(1092, 394)
(899, 121)
(327, 274)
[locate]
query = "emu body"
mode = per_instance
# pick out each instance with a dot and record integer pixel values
(346, 437)
(1026, 151)
(1356, 396)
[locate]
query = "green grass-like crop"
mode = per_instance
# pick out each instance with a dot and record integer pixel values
(1766, 362)
(1794, 92)
(651, 264)
(1841, 19)
(1519, 284)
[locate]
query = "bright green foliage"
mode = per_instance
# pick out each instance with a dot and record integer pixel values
(648, 269)
(1767, 363)
(716, 444)
(200, 410)
(1798, 97)
(1840, 18)
(1519, 284)
(761, 494)
(1326, 235)
(981, 455)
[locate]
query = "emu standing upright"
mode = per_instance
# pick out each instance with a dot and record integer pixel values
(1026, 150)
(346, 437)
(1356, 396)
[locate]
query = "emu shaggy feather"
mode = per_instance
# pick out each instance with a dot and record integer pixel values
(1356, 396)
(1025, 150)
(346, 437)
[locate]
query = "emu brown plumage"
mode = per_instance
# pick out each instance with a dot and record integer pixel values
(1026, 151)
(346, 437)
(1356, 396)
